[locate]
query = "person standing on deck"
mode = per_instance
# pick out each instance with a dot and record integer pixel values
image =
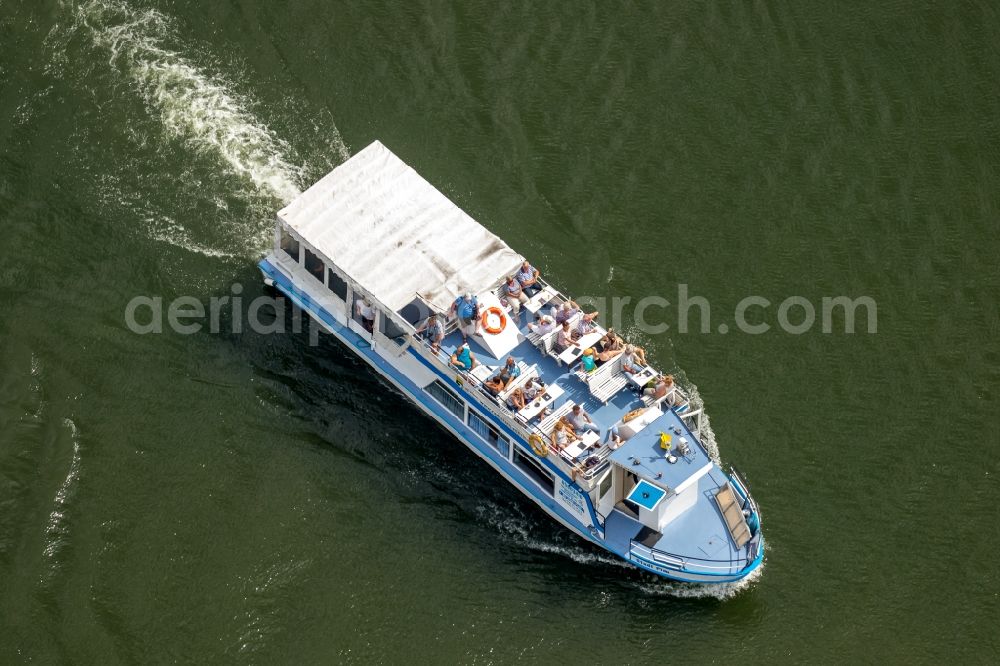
(433, 330)
(467, 309)
(367, 314)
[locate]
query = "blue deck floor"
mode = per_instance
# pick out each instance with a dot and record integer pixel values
(699, 533)
(551, 373)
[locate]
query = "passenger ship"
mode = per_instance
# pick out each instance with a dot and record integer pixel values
(374, 231)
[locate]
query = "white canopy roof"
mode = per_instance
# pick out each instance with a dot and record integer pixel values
(397, 236)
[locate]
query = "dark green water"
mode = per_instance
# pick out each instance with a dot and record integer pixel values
(248, 498)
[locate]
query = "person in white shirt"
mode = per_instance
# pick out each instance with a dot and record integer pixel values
(630, 361)
(367, 313)
(543, 325)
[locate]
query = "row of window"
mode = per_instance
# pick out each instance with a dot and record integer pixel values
(526, 462)
(437, 389)
(313, 265)
(317, 268)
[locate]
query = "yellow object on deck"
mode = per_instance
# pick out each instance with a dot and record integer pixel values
(664, 441)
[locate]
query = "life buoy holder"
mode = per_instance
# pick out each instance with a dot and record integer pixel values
(494, 320)
(538, 445)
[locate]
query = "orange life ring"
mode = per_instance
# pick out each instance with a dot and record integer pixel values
(498, 315)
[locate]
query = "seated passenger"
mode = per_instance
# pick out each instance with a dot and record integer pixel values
(509, 371)
(588, 363)
(542, 325)
(522, 396)
(516, 399)
(608, 347)
(513, 293)
(585, 325)
(466, 308)
(562, 434)
(564, 338)
(533, 388)
(630, 361)
(463, 358)
(528, 277)
(638, 353)
(565, 312)
(664, 384)
(433, 331)
(494, 385)
(579, 420)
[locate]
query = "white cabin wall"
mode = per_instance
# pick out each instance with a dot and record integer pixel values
(672, 507)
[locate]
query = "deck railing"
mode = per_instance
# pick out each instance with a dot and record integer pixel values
(685, 563)
(500, 410)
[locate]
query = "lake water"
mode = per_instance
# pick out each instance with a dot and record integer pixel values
(251, 498)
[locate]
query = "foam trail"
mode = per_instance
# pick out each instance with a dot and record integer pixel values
(56, 529)
(168, 231)
(192, 105)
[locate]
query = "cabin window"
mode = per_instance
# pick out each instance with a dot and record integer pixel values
(489, 433)
(534, 469)
(390, 329)
(314, 265)
(336, 284)
(289, 245)
(447, 397)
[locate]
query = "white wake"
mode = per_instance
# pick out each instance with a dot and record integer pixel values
(193, 105)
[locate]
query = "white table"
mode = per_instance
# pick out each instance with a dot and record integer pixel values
(482, 372)
(582, 446)
(642, 377)
(536, 302)
(541, 402)
(575, 350)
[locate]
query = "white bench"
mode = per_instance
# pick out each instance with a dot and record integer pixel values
(607, 380)
(549, 422)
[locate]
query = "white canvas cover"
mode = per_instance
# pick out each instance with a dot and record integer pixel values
(395, 234)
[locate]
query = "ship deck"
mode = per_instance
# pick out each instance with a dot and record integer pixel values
(552, 373)
(698, 536)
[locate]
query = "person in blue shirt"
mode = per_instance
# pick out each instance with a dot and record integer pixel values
(466, 308)
(463, 358)
(509, 371)
(528, 277)
(587, 363)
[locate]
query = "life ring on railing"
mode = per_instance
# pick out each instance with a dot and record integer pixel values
(538, 445)
(494, 320)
